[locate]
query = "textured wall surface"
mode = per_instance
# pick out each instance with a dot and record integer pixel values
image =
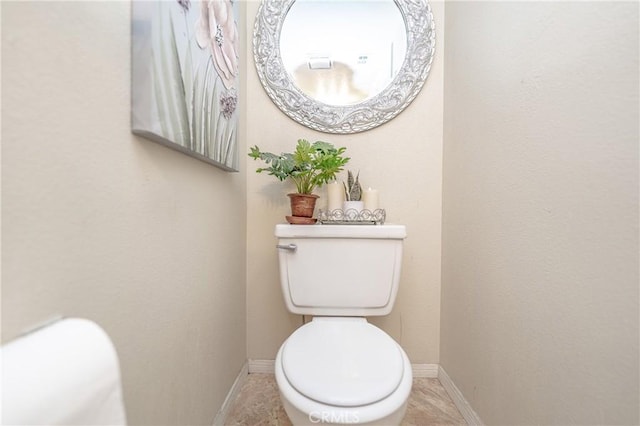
(97, 223)
(540, 231)
(402, 159)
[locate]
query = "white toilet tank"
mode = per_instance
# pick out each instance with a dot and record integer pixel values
(340, 270)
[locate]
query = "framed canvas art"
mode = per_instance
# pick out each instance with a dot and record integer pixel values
(185, 77)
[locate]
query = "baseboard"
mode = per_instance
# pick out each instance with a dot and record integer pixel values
(262, 366)
(425, 370)
(458, 399)
(266, 366)
(221, 417)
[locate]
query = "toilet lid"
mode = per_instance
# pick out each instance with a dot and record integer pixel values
(343, 362)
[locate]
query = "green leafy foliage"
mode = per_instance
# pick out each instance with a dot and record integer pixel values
(311, 164)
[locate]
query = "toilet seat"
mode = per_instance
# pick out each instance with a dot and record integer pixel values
(304, 410)
(342, 362)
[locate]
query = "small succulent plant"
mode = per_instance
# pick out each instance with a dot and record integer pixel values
(352, 188)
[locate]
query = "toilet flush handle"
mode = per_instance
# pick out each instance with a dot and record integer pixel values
(290, 247)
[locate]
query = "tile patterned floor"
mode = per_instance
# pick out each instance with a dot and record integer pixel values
(258, 404)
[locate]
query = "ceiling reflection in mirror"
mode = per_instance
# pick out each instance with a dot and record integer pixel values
(343, 66)
(343, 52)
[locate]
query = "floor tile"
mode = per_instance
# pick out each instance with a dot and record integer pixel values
(258, 404)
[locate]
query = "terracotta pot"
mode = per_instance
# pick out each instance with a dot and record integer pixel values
(302, 205)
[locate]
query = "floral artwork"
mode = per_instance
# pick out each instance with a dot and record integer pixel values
(185, 77)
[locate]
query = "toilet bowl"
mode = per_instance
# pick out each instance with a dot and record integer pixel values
(343, 370)
(338, 368)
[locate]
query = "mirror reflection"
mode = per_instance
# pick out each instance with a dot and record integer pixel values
(343, 52)
(346, 67)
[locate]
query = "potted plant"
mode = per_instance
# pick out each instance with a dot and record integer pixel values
(353, 193)
(311, 165)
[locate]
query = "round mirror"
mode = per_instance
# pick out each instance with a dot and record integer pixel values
(348, 66)
(343, 66)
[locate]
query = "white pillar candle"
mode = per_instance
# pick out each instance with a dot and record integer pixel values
(370, 198)
(335, 195)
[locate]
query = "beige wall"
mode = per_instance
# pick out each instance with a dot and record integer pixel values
(97, 223)
(540, 231)
(402, 159)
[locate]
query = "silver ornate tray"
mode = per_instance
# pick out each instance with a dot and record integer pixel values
(352, 217)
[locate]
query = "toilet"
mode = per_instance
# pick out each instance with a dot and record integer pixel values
(338, 368)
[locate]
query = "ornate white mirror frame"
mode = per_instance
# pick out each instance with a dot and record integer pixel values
(353, 118)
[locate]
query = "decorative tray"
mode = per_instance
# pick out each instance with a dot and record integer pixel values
(352, 217)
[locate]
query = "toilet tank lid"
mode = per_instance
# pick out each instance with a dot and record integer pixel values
(386, 231)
